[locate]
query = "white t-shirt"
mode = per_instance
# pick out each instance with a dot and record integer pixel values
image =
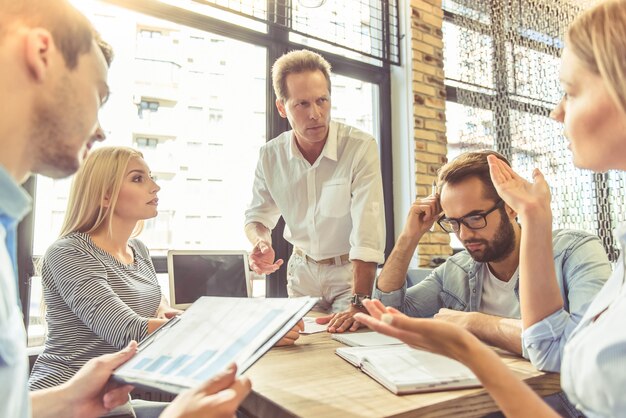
(498, 297)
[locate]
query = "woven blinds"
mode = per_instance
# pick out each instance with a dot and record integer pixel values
(502, 66)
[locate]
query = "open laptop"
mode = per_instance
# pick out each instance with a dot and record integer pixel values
(195, 273)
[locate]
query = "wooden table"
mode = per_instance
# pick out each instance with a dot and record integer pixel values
(310, 380)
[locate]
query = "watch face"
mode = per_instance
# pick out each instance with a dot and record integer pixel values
(357, 300)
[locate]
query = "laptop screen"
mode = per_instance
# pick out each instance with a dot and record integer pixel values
(206, 273)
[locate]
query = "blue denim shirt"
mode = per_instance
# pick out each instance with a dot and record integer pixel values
(582, 268)
(14, 401)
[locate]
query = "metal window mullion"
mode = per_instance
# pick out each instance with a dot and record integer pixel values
(604, 224)
(502, 120)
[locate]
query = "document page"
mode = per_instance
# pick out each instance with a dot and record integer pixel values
(211, 334)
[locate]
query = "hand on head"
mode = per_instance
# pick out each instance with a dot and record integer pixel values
(521, 195)
(216, 398)
(262, 258)
(422, 215)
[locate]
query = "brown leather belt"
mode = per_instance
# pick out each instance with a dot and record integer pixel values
(339, 260)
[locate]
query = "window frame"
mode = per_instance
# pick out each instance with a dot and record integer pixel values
(502, 124)
(276, 41)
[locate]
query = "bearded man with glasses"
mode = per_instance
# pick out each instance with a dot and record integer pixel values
(478, 288)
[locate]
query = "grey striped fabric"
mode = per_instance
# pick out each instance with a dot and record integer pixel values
(95, 305)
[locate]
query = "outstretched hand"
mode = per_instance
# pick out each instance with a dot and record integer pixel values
(431, 335)
(521, 195)
(262, 259)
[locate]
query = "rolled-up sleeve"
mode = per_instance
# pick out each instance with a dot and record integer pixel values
(419, 301)
(262, 208)
(367, 238)
(585, 270)
(81, 281)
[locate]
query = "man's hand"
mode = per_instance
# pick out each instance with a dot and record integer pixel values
(216, 398)
(342, 321)
(292, 335)
(461, 318)
(262, 259)
(422, 215)
(89, 393)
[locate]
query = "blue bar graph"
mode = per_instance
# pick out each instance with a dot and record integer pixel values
(197, 363)
(142, 363)
(231, 352)
(156, 364)
(178, 361)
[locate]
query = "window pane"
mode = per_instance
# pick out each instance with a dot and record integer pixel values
(183, 109)
(475, 69)
(357, 25)
(353, 103)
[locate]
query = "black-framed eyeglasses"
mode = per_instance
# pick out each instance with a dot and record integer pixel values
(474, 221)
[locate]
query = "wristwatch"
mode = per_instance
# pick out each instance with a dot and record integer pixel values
(357, 300)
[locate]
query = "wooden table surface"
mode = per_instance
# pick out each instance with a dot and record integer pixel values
(310, 380)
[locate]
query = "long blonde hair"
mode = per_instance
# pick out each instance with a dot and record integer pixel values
(598, 38)
(100, 177)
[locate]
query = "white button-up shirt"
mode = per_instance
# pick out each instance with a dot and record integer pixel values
(593, 373)
(332, 207)
(593, 369)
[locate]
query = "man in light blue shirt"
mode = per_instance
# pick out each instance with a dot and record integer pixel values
(53, 82)
(478, 288)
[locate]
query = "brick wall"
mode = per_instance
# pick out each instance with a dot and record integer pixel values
(429, 112)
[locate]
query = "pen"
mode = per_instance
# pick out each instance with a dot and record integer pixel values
(433, 192)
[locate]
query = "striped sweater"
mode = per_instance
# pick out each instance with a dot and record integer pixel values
(95, 305)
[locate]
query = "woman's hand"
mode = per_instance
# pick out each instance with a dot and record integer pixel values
(431, 335)
(524, 197)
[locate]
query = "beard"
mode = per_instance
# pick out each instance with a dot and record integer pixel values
(54, 128)
(499, 247)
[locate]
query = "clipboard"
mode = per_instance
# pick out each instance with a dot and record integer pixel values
(213, 333)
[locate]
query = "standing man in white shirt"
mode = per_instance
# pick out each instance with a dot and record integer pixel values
(324, 178)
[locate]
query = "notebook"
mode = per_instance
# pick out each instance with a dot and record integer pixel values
(365, 339)
(195, 273)
(403, 370)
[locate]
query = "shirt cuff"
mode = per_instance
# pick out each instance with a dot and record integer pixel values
(395, 298)
(266, 222)
(367, 254)
(549, 328)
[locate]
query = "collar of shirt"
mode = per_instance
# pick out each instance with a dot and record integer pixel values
(330, 147)
(14, 201)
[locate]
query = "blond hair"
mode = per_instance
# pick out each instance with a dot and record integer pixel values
(100, 177)
(598, 38)
(295, 62)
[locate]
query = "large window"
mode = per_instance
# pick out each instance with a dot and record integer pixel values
(501, 64)
(190, 91)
